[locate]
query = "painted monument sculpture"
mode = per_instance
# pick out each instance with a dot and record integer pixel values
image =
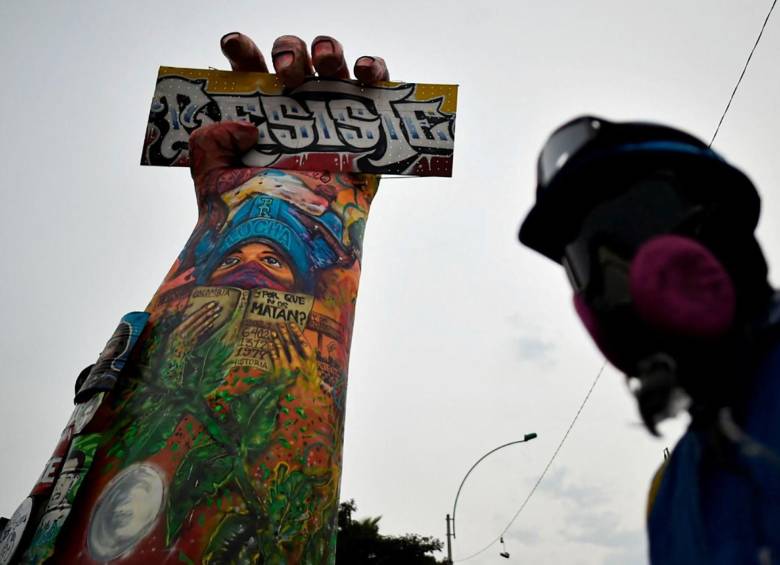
(210, 429)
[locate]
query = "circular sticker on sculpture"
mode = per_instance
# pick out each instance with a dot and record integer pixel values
(85, 411)
(14, 530)
(126, 512)
(117, 347)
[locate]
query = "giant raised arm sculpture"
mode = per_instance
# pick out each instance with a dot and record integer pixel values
(210, 430)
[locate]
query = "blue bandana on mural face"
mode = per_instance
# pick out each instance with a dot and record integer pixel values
(309, 244)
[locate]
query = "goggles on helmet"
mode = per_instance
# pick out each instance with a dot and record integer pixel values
(590, 160)
(612, 232)
(563, 143)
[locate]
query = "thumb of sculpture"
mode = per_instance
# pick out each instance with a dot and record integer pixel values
(219, 146)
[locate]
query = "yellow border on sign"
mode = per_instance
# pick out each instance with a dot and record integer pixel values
(267, 83)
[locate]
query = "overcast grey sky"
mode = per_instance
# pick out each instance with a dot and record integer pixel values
(464, 340)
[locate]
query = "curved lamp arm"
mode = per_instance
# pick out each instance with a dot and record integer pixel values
(526, 437)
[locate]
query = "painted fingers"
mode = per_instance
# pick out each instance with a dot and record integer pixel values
(289, 349)
(371, 69)
(242, 53)
(293, 62)
(197, 324)
(328, 57)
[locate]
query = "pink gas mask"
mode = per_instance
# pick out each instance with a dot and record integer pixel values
(673, 284)
(648, 292)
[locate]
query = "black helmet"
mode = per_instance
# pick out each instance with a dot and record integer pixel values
(589, 160)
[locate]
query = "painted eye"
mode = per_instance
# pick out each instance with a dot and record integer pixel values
(229, 262)
(272, 261)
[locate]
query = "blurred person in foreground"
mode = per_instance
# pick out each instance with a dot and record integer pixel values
(656, 234)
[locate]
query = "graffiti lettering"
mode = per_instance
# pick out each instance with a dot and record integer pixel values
(50, 472)
(365, 129)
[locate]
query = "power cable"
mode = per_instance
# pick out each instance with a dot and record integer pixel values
(546, 468)
(742, 75)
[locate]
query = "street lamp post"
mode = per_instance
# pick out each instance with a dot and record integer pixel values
(451, 533)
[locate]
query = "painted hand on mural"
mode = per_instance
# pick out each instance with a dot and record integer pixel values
(291, 352)
(196, 325)
(292, 62)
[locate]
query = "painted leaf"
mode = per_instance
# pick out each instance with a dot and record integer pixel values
(287, 504)
(255, 413)
(205, 368)
(200, 478)
(154, 429)
(235, 541)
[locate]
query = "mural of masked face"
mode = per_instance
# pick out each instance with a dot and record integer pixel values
(255, 264)
(268, 242)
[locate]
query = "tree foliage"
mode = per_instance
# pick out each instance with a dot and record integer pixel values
(359, 542)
